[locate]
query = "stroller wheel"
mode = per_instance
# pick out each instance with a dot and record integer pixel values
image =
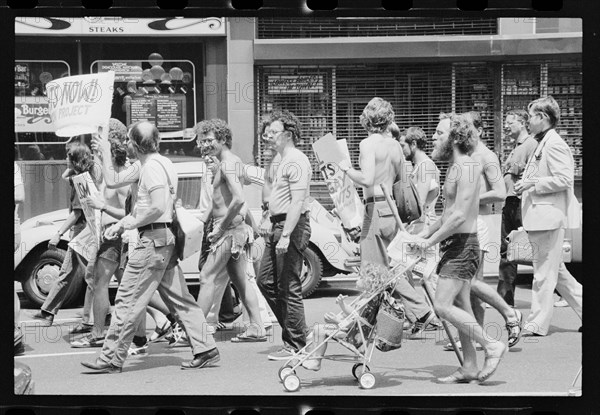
(291, 382)
(367, 380)
(284, 371)
(357, 370)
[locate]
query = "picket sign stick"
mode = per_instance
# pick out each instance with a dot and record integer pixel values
(425, 286)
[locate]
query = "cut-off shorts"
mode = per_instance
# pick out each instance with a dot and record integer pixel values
(460, 257)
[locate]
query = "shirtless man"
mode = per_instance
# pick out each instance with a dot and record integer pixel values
(456, 231)
(382, 161)
(231, 235)
(492, 190)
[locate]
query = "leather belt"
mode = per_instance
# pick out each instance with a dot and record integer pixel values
(374, 199)
(157, 225)
(282, 216)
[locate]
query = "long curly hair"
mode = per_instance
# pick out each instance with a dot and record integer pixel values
(463, 134)
(377, 116)
(217, 126)
(80, 157)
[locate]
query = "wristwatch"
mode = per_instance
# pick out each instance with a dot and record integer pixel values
(285, 234)
(265, 206)
(103, 208)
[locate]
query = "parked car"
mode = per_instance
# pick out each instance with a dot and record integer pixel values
(37, 266)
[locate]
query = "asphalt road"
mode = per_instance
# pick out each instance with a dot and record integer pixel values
(536, 366)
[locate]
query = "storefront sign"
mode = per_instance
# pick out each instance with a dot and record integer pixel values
(330, 152)
(80, 104)
(119, 26)
(124, 71)
(32, 115)
(295, 84)
(167, 112)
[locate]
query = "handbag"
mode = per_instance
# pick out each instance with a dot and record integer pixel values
(407, 199)
(519, 250)
(187, 228)
(390, 324)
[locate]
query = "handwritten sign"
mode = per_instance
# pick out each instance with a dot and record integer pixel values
(85, 187)
(330, 152)
(295, 84)
(79, 104)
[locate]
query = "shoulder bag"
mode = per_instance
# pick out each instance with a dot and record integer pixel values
(186, 227)
(407, 199)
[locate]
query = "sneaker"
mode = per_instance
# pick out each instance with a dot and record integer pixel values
(88, 341)
(421, 324)
(561, 303)
(434, 325)
(179, 337)
(135, 350)
(282, 354)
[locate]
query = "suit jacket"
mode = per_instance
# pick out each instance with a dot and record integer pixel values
(550, 203)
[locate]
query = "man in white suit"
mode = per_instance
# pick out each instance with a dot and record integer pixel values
(548, 208)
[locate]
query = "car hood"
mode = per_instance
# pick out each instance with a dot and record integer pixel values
(50, 218)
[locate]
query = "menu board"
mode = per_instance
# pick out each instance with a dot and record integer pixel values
(167, 112)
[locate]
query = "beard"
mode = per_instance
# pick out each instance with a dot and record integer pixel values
(444, 152)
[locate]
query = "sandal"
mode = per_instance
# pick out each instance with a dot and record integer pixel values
(458, 377)
(491, 363)
(161, 332)
(82, 328)
(514, 329)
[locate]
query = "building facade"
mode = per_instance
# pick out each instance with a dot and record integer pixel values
(324, 70)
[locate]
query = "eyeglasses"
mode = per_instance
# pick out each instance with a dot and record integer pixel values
(205, 141)
(268, 133)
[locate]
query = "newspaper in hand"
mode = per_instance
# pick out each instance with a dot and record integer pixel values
(401, 252)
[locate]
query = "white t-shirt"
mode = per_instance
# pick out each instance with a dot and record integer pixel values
(293, 172)
(153, 177)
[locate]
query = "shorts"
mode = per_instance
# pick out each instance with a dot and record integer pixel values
(460, 257)
(237, 238)
(483, 234)
(110, 250)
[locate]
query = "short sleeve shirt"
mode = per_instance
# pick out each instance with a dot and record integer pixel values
(153, 177)
(292, 173)
(516, 162)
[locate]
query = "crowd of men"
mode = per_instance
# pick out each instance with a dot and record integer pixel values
(139, 188)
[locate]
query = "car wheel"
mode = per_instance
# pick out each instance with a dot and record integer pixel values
(312, 271)
(41, 273)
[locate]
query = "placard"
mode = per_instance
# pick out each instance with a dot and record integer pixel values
(85, 187)
(79, 104)
(330, 152)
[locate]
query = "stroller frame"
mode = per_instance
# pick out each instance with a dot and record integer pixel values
(360, 370)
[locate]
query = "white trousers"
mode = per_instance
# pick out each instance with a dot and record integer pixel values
(550, 273)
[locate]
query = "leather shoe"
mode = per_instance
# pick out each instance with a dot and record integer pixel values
(203, 359)
(45, 318)
(100, 366)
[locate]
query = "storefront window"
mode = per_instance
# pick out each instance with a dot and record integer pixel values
(34, 133)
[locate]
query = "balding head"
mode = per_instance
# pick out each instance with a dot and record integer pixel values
(145, 136)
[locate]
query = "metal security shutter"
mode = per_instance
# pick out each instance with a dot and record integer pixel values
(306, 92)
(327, 27)
(565, 86)
(417, 92)
(524, 82)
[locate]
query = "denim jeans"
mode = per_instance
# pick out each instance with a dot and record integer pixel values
(153, 266)
(507, 272)
(279, 281)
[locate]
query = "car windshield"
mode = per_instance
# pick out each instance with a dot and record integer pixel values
(188, 190)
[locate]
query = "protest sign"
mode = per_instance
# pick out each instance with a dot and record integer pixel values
(85, 187)
(85, 244)
(330, 152)
(80, 104)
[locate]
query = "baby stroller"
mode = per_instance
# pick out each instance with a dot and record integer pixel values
(370, 325)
